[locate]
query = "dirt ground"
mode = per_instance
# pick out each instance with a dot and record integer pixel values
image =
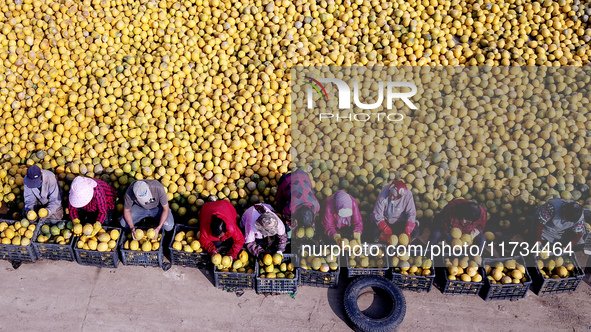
(65, 296)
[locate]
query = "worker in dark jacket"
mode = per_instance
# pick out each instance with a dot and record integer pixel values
(264, 231)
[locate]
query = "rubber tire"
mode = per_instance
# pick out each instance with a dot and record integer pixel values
(363, 323)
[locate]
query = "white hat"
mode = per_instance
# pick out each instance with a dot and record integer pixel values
(81, 191)
(345, 213)
(142, 192)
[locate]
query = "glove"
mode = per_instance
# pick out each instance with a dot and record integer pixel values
(410, 226)
(357, 236)
(386, 231)
(337, 238)
(280, 253)
(474, 233)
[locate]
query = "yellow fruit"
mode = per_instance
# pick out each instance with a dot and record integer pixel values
(393, 240)
(139, 234)
(9, 234)
(497, 274)
(177, 245)
(277, 258)
(243, 256)
(77, 229)
(92, 244)
(310, 232)
(80, 244)
(403, 239)
(237, 264)
(3, 226)
(269, 268)
(268, 259)
(42, 213)
(452, 270)
(103, 246)
(227, 261)
(489, 236)
(151, 233)
(471, 271)
(26, 241)
(562, 272)
(114, 234)
(32, 215)
(134, 245)
(179, 236)
(466, 238)
(506, 280)
(87, 229)
(216, 259)
(300, 232)
(465, 277)
(455, 233)
(477, 278)
(187, 248)
(195, 245)
(147, 246)
(104, 237)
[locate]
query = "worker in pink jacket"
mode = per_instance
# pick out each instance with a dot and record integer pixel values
(341, 217)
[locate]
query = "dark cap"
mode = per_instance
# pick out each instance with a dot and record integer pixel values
(33, 178)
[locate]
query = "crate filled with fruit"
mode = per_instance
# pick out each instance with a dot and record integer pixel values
(16, 240)
(234, 274)
(555, 274)
(366, 262)
(319, 270)
(186, 250)
(277, 274)
(506, 278)
(143, 248)
(56, 239)
(412, 270)
(462, 275)
(98, 245)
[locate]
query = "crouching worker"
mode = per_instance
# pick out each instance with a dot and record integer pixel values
(296, 200)
(395, 213)
(219, 232)
(561, 221)
(91, 200)
(467, 216)
(265, 233)
(146, 198)
(42, 191)
(342, 219)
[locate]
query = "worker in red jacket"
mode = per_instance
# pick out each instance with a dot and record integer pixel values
(460, 213)
(219, 230)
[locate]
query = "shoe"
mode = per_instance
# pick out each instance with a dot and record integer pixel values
(166, 266)
(16, 264)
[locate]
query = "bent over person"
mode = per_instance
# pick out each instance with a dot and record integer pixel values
(264, 231)
(560, 220)
(146, 198)
(91, 200)
(42, 191)
(296, 200)
(463, 214)
(395, 212)
(219, 231)
(342, 218)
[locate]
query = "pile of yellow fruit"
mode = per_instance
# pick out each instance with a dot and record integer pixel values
(187, 242)
(18, 234)
(143, 241)
(507, 272)
(324, 263)
(413, 266)
(273, 267)
(197, 94)
(304, 232)
(367, 261)
(464, 269)
(557, 268)
(59, 233)
(244, 263)
(95, 237)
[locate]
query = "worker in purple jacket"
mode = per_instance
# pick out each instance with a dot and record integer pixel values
(342, 218)
(395, 212)
(264, 231)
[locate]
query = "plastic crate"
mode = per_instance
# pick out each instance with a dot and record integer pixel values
(279, 286)
(58, 252)
(508, 291)
(189, 259)
(233, 280)
(459, 287)
(374, 271)
(313, 278)
(18, 253)
(543, 286)
(411, 282)
(96, 258)
(142, 258)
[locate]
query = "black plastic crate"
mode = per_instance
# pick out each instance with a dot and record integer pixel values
(279, 286)
(18, 253)
(97, 258)
(234, 280)
(188, 259)
(58, 252)
(508, 291)
(374, 271)
(543, 286)
(412, 282)
(314, 278)
(459, 287)
(142, 258)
